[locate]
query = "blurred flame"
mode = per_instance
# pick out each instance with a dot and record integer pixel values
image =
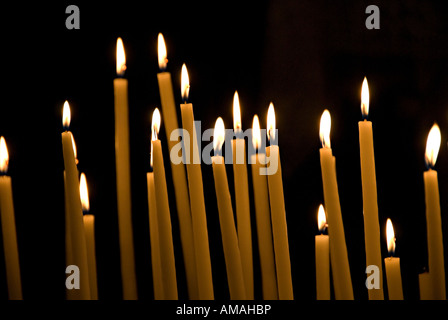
(4, 156)
(256, 133)
(218, 135)
(325, 128)
(66, 115)
(161, 48)
(236, 113)
(155, 125)
(185, 83)
(390, 235)
(121, 58)
(84, 193)
(75, 152)
(271, 122)
(432, 146)
(321, 219)
(365, 97)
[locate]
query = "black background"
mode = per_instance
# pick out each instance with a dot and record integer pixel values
(304, 56)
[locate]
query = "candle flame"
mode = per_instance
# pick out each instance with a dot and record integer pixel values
(161, 48)
(66, 115)
(121, 58)
(185, 83)
(390, 235)
(271, 122)
(432, 146)
(155, 126)
(236, 114)
(218, 135)
(256, 133)
(365, 97)
(75, 152)
(321, 219)
(325, 128)
(4, 156)
(84, 193)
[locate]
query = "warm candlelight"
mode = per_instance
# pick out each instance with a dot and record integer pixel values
(436, 261)
(322, 251)
(11, 251)
(340, 268)
(197, 204)
(232, 254)
(242, 204)
(369, 193)
(129, 281)
(178, 170)
(393, 271)
(278, 213)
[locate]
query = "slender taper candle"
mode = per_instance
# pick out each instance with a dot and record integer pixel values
(322, 250)
(393, 270)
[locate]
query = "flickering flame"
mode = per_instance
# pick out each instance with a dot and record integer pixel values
(161, 48)
(236, 114)
(432, 146)
(4, 156)
(365, 97)
(271, 123)
(218, 135)
(121, 58)
(390, 235)
(75, 152)
(185, 83)
(84, 193)
(325, 128)
(155, 126)
(321, 219)
(66, 115)
(256, 133)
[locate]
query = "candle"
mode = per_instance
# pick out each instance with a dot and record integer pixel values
(342, 281)
(197, 204)
(242, 199)
(128, 276)
(263, 217)
(10, 249)
(369, 193)
(68, 242)
(424, 283)
(77, 234)
(393, 271)
(89, 227)
(436, 262)
(163, 215)
(228, 232)
(178, 171)
(322, 258)
(278, 214)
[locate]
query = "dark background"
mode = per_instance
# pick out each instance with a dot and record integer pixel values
(304, 56)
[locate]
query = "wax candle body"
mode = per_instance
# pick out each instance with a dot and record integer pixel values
(77, 233)
(164, 224)
(264, 231)
(70, 294)
(126, 239)
(228, 231)
(338, 250)
(322, 251)
(370, 204)
(180, 183)
(425, 287)
(243, 213)
(279, 227)
(197, 205)
(434, 234)
(393, 276)
(89, 226)
(11, 251)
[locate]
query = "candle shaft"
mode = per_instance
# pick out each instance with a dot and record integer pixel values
(393, 276)
(89, 225)
(322, 251)
(425, 287)
(68, 241)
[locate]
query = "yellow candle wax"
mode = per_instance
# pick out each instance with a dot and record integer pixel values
(425, 287)
(129, 281)
(393, 270)
(338, 250)
(197, 204)
(178, 172)
(322, 252)
(68, 242)
(11, 251)
(369, 194)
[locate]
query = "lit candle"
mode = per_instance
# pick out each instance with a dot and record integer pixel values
(128, 276)
(178, 170)
(369, 193)
(263, 217)
(163, 215)
(89, 227)
(278, 214)
(242, 199)
(322, 258)
(393, 271)
(436, 262)
(342, 281)
(196, 189)
(228, 231)
(77, 234)
(9, 228)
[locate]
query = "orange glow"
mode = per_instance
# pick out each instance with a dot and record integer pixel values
(390, 235)
(121, 58)
(271, 123)
(433, 146)
(84, 193)
(4, 156)
(161, 49)
(66, 115)
(256, 133)
(218, 135)
(236, 113)
(185, 83)
(321, 219)
(325, 128)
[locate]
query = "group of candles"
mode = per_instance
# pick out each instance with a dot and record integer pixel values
(270, 215)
